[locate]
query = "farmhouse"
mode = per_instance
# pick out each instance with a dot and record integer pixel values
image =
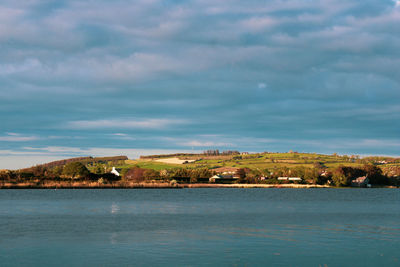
(115, 171)
(227, 172)
(222, 179)
(217, 176)
(360, 182)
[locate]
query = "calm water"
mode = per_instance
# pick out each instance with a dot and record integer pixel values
(195, 227)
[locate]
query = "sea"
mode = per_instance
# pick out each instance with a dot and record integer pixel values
(200, 227)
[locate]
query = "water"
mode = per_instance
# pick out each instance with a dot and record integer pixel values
(199, 227)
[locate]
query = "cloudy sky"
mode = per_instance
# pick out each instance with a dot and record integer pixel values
(100, 78)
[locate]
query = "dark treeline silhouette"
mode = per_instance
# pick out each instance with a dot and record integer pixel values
(216, 152)
(213, 152)
(169, 155)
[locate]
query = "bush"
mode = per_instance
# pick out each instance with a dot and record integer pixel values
(375, 175)
(135, 174)
(151, 174)
(75, 170)
(339, 177)
(342, 175)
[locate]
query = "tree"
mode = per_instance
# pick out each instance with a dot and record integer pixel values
(342, 175)
(312, 175)
(181, 172)
(318, 165)
(150, 174)
(199, 173)
(135, 174)
(123, 173)
(298, 171)
(39, 171)
(241, 173)
(99, 169)
(374, 174)
(75, 170)
(339, 177)
(282, 171)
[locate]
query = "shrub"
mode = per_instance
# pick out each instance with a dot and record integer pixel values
(151, 174)
(135, 174)
(375, 175)
(75, 170)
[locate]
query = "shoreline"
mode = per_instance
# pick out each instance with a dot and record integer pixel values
(78, 185)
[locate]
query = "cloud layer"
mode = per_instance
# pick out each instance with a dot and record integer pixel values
(318, 76)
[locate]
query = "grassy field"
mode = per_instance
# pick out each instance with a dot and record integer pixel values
(259, 161)
(149, 164)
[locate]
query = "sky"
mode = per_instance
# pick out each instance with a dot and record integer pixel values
(103, 78)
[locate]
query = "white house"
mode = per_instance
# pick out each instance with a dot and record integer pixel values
(115, 171)
(289, 179)
(215, 177)
(360, 182)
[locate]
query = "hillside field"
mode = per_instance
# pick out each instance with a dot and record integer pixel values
(258, 161)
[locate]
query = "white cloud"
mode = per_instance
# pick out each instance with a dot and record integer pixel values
(139, 66)
(13, 162)
(196, 143)
(262, 85)
(15, 137)
(124, 124)
(258, 23)
(220, 141)
(27, 152)
(122, 136)
(13, 134)
(27, 65)
(340, 144)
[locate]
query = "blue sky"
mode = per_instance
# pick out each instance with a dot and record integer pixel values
(100, 78)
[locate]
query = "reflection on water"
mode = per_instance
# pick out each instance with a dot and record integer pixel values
(286, 227)
(114, 208)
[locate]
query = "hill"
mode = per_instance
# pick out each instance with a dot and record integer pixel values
(259, 161)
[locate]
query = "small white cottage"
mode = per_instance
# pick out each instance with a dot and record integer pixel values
(115, 171)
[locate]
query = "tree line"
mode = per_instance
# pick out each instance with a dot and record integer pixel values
(318, 174)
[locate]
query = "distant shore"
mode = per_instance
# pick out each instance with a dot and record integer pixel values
(94, 185)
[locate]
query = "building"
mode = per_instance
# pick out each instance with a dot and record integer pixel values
(115, 171)
(360, 182)
(216, 177)
(222, 179)
(226, 170)
(289, 179)
(324, 173)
